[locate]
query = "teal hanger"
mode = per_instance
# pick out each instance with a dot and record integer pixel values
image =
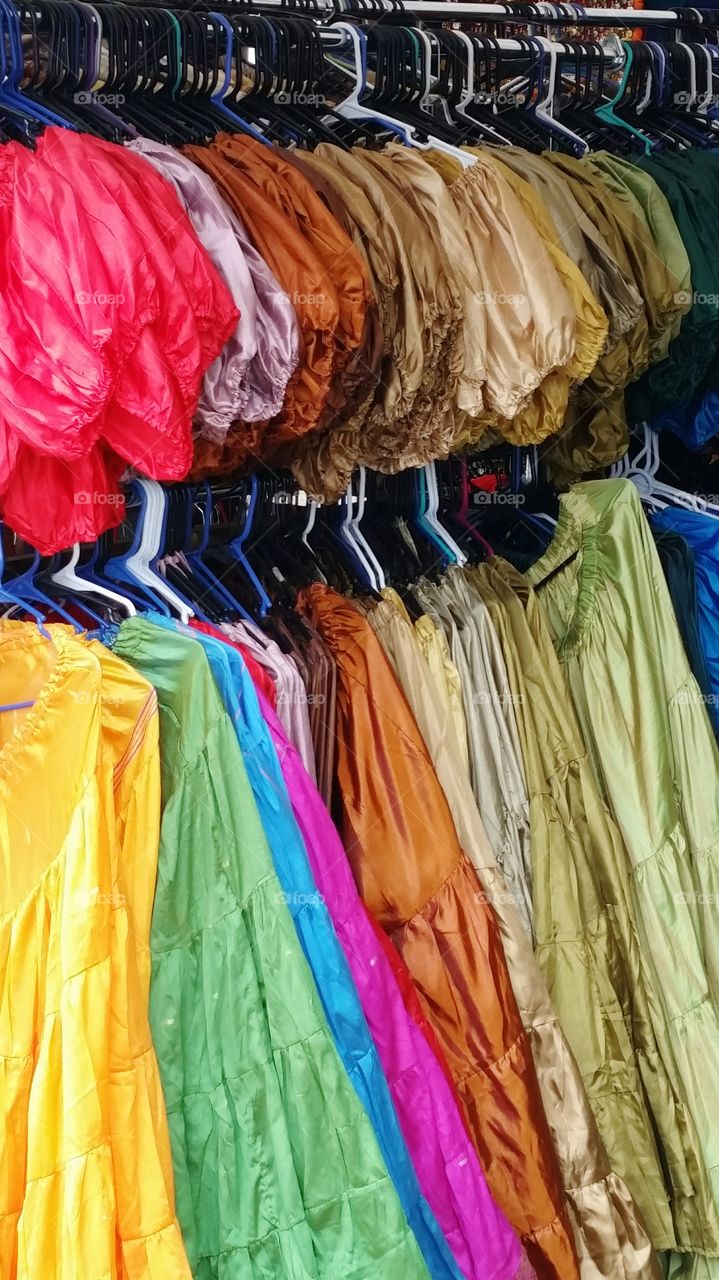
(606, 111)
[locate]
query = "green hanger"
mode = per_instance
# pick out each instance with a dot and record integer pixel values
(607, 113)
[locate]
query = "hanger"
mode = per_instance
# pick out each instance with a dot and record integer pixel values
(8, 596)
(360, 559)
(133, 566)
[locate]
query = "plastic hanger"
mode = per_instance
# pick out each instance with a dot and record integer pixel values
(346, 533)
(133, 566)
(237, 548)
(432, 518)
(355, 526)
(351, 107)
(67, 577)
(8, 596)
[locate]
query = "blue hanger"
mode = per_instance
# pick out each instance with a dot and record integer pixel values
(237, 548)
(25, 587)
(162, 550)
(194, 558)
(218, 96)
(11, 72)
(8, 596)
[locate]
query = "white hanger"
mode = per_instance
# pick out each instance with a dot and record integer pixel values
(357, 531)
(545, 105)
(67, 577)
(139, 563)
(425, 104)
(432, 518)
(347, 536)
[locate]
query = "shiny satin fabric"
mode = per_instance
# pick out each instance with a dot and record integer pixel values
(546, 411)
(699, 622)
(87, 1184)
(303, 276)
(433, 645)
(497, 770)
(447, 1166)
(585, 933)
(530, 316)
(102, 359)
(610, 1236)
(416, 881)
(670, 299)
(419, 183)
(292, 707)
(595, 430)
(249, 376)
(323, 462)
(277, 1168)
(319, 942)
(655, 757)
(420, 314)
(662, 224)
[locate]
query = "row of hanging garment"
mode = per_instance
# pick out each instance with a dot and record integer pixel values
(346, 1036)
(368, 293)
(471, 1029)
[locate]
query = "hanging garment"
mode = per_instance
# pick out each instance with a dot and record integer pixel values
(620, 1246)
(446, 1163)
(420, 314)
(433, 645)
(87, 1176)
(595, 429)
(277, 1169)
(103, 356)
(531, 322)
(662, 225)
(585, 939)
(546, 412)
(319, 942)
(249, 377)
(698, 619)
(691, 189)
(292, 707)
(418, 884)
(497, 769)
(696, 622)
(655, 760)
